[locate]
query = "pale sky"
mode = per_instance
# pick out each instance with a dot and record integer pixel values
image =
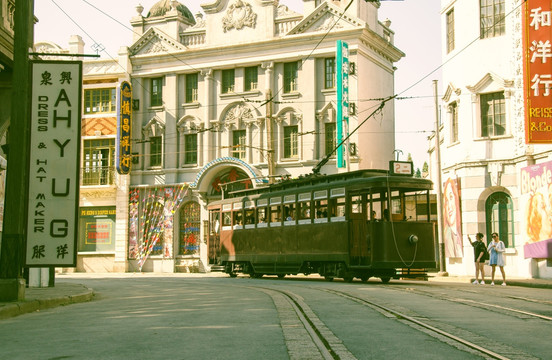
(415, 23)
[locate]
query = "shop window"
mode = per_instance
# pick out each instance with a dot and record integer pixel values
(190, 223)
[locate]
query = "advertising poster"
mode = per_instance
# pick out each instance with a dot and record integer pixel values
(97, 229)
(452, 219)
(536, 204)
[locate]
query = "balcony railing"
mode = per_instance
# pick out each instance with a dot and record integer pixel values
(98, 175)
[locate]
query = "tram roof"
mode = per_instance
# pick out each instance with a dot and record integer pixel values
(371, 178)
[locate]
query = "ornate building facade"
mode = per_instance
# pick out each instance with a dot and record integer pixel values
(241, 94)
(483, 149)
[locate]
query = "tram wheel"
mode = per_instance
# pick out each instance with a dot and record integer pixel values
(281, 276)
(385, 279)
(364, 278)
(328, 278)
(256, 275)
(233, 274)
(348, 279)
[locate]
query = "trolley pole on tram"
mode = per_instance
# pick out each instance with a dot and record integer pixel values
(439, 189)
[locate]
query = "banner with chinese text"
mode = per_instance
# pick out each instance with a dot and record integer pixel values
(56, 92)
(537, 63)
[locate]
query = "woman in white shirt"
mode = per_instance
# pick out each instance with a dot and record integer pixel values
(496, 250)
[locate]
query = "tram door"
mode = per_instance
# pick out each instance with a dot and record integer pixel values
(359, 248)
(214, 236)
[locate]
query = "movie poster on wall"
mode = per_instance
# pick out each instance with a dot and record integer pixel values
(536, 206)
(452, 219)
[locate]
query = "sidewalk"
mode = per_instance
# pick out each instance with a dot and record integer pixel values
(533, 283)
(37, 299)
(64, 293)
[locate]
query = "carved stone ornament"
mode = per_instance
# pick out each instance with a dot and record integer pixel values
(238, 15)
(237, 114)
(155, 46)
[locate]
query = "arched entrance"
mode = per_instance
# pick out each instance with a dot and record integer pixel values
(499, 212)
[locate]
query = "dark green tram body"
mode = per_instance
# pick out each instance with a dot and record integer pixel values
(349, 227)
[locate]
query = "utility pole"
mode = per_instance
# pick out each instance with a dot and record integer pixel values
(12, 254)
(439, 189)
(270, 151)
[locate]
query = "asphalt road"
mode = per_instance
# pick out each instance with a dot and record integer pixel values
(215, 317)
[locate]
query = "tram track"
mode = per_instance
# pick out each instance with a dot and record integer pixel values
(299, 322)
(443, 335)
(478, 304)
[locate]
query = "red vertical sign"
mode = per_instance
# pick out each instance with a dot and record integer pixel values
(537, 63)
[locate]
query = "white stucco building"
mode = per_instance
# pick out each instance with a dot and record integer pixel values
(483, 132)
(241, 93)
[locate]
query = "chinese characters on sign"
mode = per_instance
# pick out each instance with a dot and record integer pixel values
(124, 118)
(54, 163)
(537, 28)
(342, 128)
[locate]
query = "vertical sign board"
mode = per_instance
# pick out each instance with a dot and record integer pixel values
(54, 163)
(342, 126)
(124, 119)
(537, 72)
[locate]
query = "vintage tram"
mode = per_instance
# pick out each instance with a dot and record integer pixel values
(360, 224)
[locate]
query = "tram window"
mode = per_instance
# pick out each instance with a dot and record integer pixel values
(261, 215)
(397, 210)
(374, 209)
(305, 210)
(321, 209)
(337, 208)
(238, 219)
(356, 204)
(275, 214)
(289, 212)
(226, 219)
(215, 222)
(249, 216)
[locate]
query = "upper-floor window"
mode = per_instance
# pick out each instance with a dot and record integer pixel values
(227, 81)
(492, 18)
(291, 142)
(329, 73)
(98, 166)
(493, 114)
(238, 144)
(156, 148)
(190, 149)
(453, 122)
(290, 77)
(251, 81)
(156, 95)
(450, 31)
(98, 101)
(330, 138)
(191, 88)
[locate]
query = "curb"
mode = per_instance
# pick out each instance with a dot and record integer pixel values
(25, 307)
